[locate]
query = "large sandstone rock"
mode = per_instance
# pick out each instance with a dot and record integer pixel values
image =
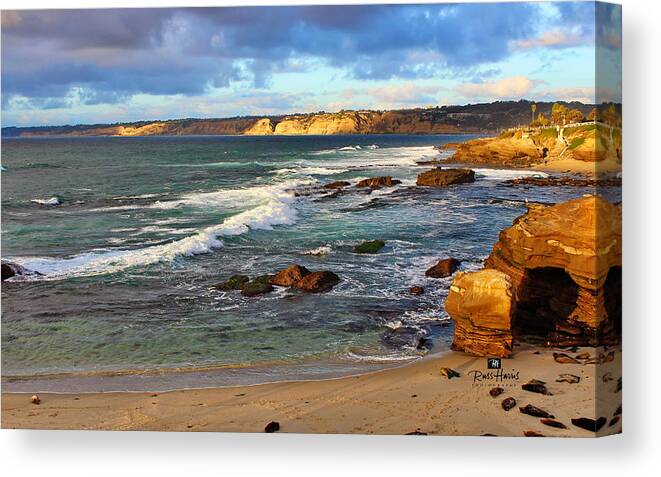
(289, 276)
(482, 305)
(564, 264)
(445, 177)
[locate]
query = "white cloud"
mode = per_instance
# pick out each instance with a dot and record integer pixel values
(551, 38)
(511, 87)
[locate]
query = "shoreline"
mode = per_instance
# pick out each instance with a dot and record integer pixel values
(412, 398)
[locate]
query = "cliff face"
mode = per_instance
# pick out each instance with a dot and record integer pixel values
(472, 118)
(563, 267)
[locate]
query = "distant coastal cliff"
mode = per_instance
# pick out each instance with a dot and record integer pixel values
(472, 118)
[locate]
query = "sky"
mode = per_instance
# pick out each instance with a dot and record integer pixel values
(100, 66)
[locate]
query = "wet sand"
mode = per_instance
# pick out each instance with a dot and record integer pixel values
(412, 398)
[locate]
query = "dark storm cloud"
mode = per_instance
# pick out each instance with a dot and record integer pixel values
(109, 55)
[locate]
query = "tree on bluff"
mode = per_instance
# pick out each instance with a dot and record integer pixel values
(559, 114)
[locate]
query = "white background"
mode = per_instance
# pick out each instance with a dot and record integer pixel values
(38, 453)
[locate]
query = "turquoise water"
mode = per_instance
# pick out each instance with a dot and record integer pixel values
(147, 225)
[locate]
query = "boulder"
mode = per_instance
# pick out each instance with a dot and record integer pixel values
(556, 273)
(416, 290)
(371, 246)
(565, 263)
(289, 276)
(258, 286)
(377, 182)
(445, 177)
(482, 304)
(336, 185)
(444, 268)
(318, 282)
(235, 282)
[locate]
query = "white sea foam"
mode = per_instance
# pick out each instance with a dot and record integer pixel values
(316, 171)
(277, 209)
(505, 174)
(320, 251)
(229, 198)
(52, 201)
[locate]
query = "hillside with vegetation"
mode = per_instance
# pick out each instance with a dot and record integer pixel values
(485, 118)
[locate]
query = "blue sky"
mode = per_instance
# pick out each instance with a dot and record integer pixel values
(94, 66)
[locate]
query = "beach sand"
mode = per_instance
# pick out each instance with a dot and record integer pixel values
(411, 398)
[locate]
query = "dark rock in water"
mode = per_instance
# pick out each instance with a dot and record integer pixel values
(272, 426)
(416, 433)
(607, 377)
(536, 386)
(532, 434)
(486, 434)
(377, 182)
(618, 387)
(618, 411)
(614, 421)
(449, 373)
(535, 411)
(336, 185)
(258, 286)
(10, 269)
(568, 378)
(318, 282)
(405, 337)
(371, 246)
(235, 282)
(444, 268)
(495, 392)
(7, 271)
(416, 290)
(553, 423)
(289, 276)
(508, 403)
(589, 424)
(445, 177)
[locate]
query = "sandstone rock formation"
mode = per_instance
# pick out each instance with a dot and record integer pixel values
(318, 282)
(564, 263)
(289, 276)
(377, 182)
(482, 305)
(445, 177)
(444, 268)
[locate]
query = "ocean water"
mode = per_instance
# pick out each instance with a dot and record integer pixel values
(145, 226)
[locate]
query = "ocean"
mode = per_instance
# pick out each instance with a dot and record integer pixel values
(146, 225)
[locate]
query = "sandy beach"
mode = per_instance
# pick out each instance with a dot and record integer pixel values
(412, 398)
